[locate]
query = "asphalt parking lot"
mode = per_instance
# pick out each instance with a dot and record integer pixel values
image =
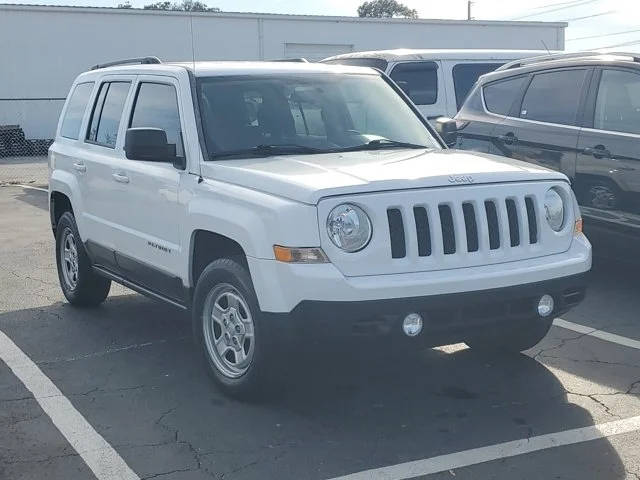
(129, 370)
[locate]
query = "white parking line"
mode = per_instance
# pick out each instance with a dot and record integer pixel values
(475, 456)
(99, 456)
(594, 332)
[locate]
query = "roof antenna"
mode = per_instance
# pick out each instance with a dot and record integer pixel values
(545, 47)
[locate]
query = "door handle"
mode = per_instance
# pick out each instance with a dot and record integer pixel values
(80, 167)
(120, 177)
(599, 151)
(508, 138)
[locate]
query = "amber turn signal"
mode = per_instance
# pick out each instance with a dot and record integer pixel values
(299, 255)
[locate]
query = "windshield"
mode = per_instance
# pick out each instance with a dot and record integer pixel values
(314, 113)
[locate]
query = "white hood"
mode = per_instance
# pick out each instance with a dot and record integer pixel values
(308, 178)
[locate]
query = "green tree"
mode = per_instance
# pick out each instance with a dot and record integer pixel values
(184, 6)
(386, 9)
(126, 4)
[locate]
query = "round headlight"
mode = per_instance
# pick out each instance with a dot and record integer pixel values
(349, 227)
(554, 209)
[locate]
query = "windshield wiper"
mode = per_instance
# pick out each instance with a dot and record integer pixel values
(267, 151)
(380, 143)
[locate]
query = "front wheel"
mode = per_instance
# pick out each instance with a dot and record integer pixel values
(228, 330)
(512, 339)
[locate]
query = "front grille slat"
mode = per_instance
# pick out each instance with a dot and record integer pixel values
(396, 233)
(479, 226)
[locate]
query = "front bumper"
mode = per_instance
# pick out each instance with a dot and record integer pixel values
(449, 318)
(282, 287)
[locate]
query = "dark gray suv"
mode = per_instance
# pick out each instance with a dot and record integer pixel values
(577, 113)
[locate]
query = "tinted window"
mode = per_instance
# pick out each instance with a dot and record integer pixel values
(499, 97)
(419, 79)
(554, 97)
(378, 63)
(75, 111)
(618, 102)
(157, 107)
(465, 75)
(105, 119)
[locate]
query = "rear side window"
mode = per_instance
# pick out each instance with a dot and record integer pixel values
(465, 75)
(107, 112)
(156, 106)
(419, 80)
(75, 110)
(618, 102)
(499, 97)
(553, 97)
(379, 63)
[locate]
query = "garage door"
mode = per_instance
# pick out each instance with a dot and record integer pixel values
(315, 51)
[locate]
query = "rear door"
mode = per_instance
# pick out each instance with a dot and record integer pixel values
(608, 167)
(424, 82)
(547, 124)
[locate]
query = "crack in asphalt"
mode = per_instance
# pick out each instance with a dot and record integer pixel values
(39, 460)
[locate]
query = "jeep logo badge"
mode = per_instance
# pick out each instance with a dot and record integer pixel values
(460, 179)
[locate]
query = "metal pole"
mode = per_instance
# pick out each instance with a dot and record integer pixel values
(469, 2)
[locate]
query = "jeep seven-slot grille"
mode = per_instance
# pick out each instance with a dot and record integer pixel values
(509, 210)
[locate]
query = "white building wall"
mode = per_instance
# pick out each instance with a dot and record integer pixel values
(42, 49)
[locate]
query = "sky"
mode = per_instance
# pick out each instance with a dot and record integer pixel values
(593, 24)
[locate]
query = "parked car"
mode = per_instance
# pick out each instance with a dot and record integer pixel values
(575, 113)
(436, 80)
(283, 203)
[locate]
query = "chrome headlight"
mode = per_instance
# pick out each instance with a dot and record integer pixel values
(554, 209)
(349, 227)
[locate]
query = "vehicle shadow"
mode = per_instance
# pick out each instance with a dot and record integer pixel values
(131, 369)
(35, 198)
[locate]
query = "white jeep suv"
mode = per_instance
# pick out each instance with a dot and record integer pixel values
(284, 201)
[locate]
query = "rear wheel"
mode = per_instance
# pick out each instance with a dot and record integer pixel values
(227, 326)
(513, 338)
(80, 284)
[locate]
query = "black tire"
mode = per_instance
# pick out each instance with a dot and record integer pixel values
(513, 339)
(228, 275)
(601, 193)
(89, 289)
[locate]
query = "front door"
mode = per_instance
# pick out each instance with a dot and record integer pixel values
(608, 168)
(150, 214)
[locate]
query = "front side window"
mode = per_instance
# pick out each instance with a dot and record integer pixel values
(156, 106)
(500, 96)
(314, 113)
(75, 110)
(618, 102)
(465, 75)
(554, 97)
(419, 80)
(107, 112)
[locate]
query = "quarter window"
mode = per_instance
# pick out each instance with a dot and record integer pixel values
(419, 80)
(75, 110)
(157, 107)
(107, 112)
(618, 102)
(500, 97)
(465, 75)
(554, 97)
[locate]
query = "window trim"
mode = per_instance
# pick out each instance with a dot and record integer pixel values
(592, 98)
(423, 62)
(103, 81)
(84, 114)
(134, 101)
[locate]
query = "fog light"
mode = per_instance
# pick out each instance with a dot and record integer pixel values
(412, 324)
(545, 305)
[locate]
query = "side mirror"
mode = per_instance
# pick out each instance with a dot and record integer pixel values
(150, 144)
(448, 129)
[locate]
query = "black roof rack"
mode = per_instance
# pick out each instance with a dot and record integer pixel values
(565, 56)
(128, 61)
(294, 60)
